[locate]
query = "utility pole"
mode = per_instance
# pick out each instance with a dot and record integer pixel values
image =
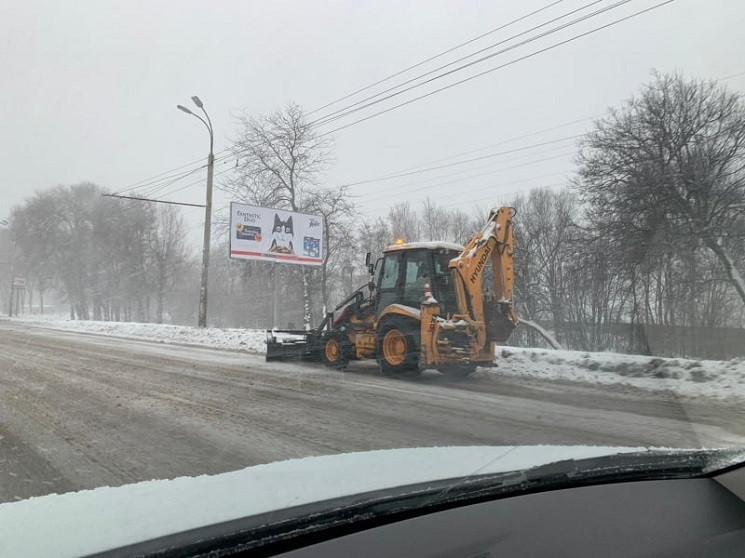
(202, 321)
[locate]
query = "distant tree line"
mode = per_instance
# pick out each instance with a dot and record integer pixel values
(105, 259)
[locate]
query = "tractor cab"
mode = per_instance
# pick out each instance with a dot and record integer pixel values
(405, 269)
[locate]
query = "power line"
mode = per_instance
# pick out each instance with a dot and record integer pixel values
(480, 74)
(432, 181)
(514, 192)
(153, 178)
(503, 142)
(509, 140)
(460, 192)
(340, 113)
(227, 153)
(463, 162)
(150, 200)
(441, 54)
(158, 187)
(481, 175)
(490, 197)
(499, 171)
(731, 76)
(185, 186)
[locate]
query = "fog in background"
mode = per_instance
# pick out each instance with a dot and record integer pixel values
(89, 88)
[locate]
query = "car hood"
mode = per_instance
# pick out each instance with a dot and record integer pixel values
(89, 521)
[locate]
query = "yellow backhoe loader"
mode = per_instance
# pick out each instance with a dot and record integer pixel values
(428, 307)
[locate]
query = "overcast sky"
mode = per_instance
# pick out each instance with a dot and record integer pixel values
(89, 89)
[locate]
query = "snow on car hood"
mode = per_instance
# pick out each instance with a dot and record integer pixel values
(80, 523)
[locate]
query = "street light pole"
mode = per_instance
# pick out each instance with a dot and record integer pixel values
(202, 321)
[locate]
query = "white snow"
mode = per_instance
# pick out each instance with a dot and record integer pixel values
(285, 337)
(250, 340)
(717, 379)
(89, 521)
(408, 309)
(468, 255)
(435, 245)
(450, 324)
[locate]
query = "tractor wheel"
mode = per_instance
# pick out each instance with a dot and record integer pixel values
(335, 349)
(398, 350)
(458, 371)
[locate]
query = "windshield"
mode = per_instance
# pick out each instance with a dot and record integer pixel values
(237, 234)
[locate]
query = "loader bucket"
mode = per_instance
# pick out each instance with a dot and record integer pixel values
(500, 321)
(291, 344)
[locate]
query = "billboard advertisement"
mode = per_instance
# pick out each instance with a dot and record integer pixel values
(275, 235)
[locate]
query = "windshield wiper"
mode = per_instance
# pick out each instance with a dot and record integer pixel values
(281, 530)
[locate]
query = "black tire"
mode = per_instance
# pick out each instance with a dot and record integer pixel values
(395, 331)
(458, 371)
(335, 349)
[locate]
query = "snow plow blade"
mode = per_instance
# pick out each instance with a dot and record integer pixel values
(291, 344)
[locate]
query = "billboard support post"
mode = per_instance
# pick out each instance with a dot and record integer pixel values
(275, 297)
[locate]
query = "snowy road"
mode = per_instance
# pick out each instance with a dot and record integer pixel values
(80, 411)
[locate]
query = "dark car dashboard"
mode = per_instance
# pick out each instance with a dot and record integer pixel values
(631, 505)
(670, 518)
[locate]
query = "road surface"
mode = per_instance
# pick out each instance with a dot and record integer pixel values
(80, 411)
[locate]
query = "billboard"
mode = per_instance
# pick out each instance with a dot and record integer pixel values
(275, 235)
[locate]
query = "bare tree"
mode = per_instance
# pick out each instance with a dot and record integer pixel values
(434, 220)
(109, 259)
(336, 207)
(281, 162)
(404, 222)
(460, 227)
(280, 157)
(669, 167)
(168, 254)
(374, 236)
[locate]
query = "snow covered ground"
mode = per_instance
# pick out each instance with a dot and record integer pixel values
(252, 341)
(718, 379)
(723, 380)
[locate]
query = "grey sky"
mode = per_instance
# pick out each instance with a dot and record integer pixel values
(89, 89)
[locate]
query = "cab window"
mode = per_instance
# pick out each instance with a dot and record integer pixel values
(417, 272)
(387, 291)
(390, 272)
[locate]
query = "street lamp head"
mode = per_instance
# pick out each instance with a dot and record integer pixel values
(184, 109)
(197, 101)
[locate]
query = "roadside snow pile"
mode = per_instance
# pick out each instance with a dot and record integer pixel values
(250, 340)
(720, 379)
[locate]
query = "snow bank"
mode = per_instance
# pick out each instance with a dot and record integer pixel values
(250, 340)
(81, 523)
(718, 379)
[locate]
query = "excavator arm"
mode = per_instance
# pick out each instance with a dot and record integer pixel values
(494, 243)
